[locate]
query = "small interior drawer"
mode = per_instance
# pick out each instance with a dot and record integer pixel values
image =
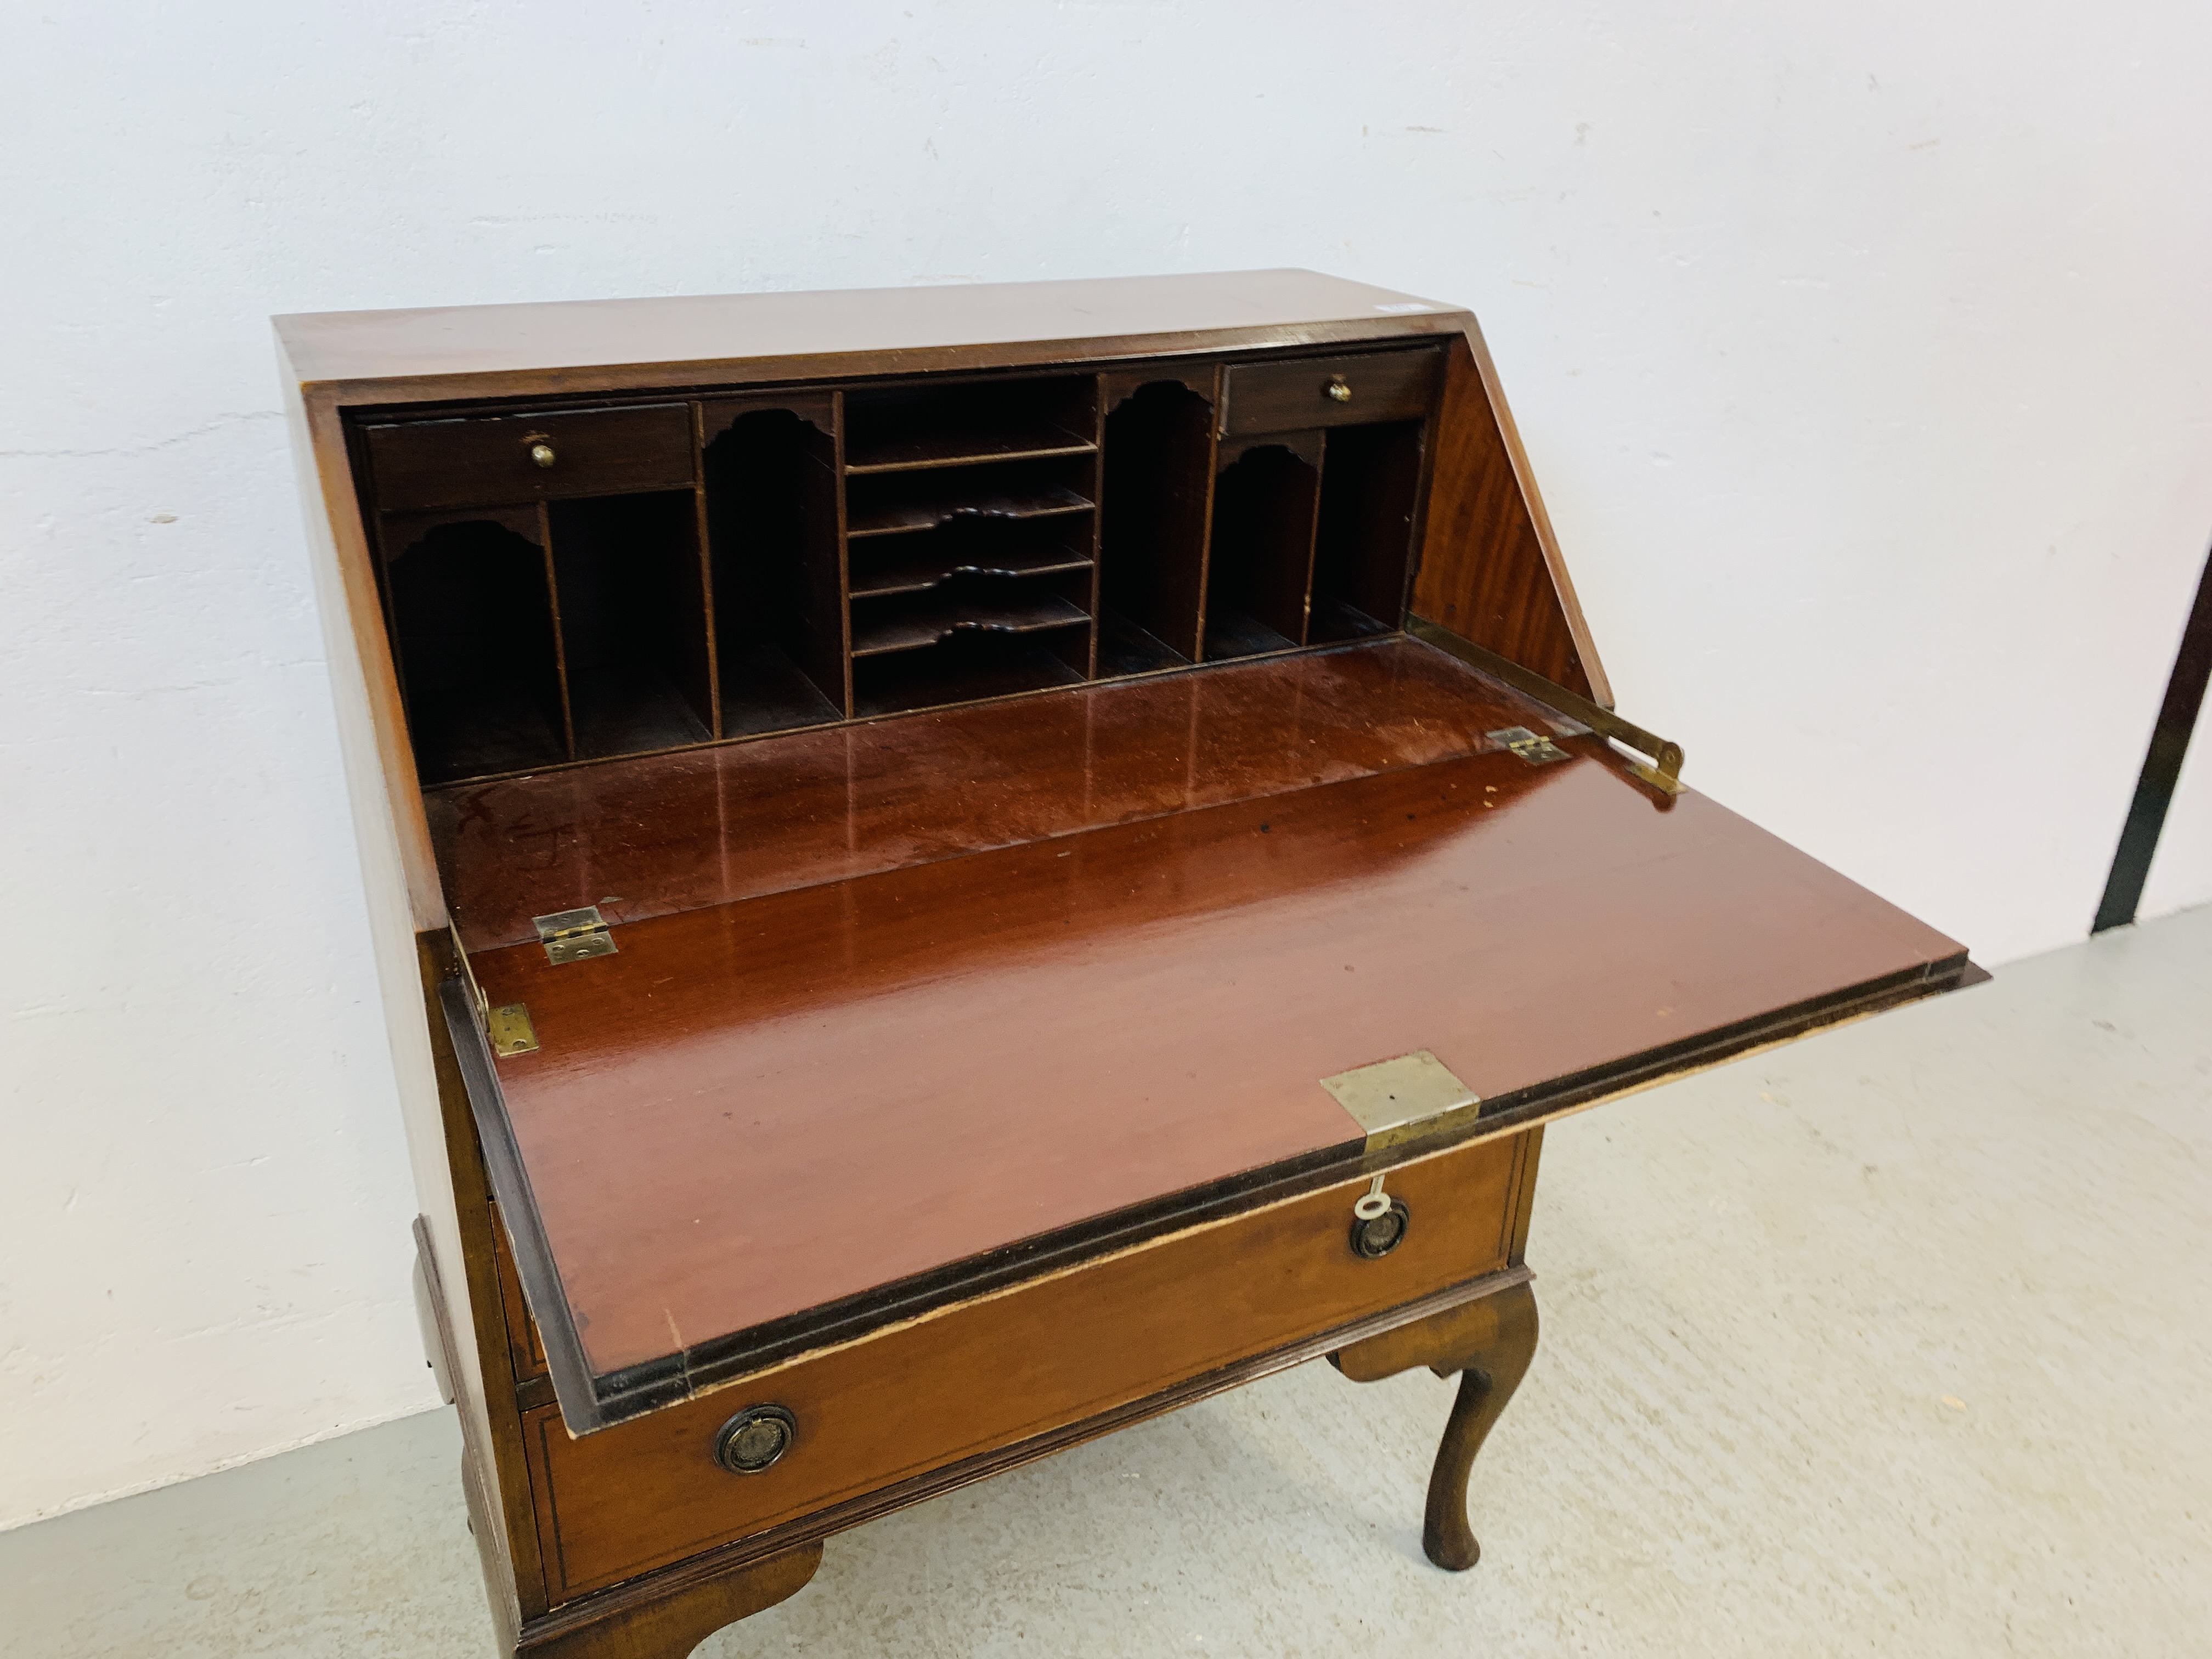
(1002, 1370)
(1294, 397)
(480, 462)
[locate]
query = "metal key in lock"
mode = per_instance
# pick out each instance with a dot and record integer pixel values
(1378, 1221)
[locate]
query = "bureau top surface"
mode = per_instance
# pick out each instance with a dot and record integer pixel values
(798, 1091)
(1145, 313)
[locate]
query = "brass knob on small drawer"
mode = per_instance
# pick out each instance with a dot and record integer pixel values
(755, 1438)
(541, 452)
(1339, 389)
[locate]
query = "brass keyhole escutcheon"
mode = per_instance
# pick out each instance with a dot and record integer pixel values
(541, 452)
(755, 1438)
(1378, 1221)
(1382, 1235)
(1339, 389)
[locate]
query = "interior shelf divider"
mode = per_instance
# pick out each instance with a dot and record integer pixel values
(917, 572)
(963, 449)
(910, 628)
(897, 518)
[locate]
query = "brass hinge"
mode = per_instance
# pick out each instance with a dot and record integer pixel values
(507, 1028)
(573, 935)
(510, 1031)
(1664, 770)
(1530, 746)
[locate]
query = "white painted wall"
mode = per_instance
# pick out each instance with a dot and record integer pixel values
(1862, 350)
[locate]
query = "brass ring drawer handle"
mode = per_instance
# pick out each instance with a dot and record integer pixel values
(541, 452)
(755, 1438)
(1339, 389)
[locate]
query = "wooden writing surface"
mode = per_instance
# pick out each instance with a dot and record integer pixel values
(768, 1106)
(673, 832)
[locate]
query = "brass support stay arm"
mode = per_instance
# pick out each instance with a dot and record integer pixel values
(1665, 769)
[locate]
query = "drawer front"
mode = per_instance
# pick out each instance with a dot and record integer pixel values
(480, 463)
(1387, 385)
(989, 1373)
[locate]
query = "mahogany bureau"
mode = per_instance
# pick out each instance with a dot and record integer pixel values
(954, 869)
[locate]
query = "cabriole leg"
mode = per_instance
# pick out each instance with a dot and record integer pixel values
(1488, 1343)
(1489, 1373)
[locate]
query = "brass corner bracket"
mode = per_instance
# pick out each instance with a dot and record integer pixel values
(1402, 1099)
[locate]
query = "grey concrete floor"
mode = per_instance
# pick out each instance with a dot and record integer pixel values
(1893, 1340)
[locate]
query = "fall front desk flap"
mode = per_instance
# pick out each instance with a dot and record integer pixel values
(900, 1011)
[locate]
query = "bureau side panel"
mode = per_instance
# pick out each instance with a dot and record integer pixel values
(478, 1343)
(1490, 568)
(389, 821)
(400, 885)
